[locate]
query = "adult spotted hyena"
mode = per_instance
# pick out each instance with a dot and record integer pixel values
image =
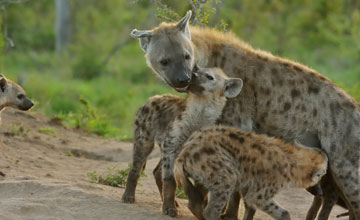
(280, 97)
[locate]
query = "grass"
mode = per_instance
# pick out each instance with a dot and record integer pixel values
(104, 105)
(16, 130)
(105, 102)
(47, 130)
(114, 176)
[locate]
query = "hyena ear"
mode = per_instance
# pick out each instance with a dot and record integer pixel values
(143, 36)
(183, 24)
(233, 87)
(3, 83)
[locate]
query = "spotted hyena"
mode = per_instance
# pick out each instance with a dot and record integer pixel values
(280, 97)
(12, 95)
(170, 120)
(225, 159)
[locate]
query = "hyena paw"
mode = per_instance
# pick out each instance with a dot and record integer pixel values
(170, 211)
(128, 199)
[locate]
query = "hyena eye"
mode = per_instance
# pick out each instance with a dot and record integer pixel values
(164, 62)
(187, 56)
(209, 77)
(20, 96)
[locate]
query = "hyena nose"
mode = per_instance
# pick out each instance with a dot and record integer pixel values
(183, 81)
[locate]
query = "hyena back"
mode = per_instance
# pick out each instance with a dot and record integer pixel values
(225, 159)
(280, 98)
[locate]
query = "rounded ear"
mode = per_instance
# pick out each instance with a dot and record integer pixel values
(143, 36)
(3, 83)
(183, 24)
(233, 87)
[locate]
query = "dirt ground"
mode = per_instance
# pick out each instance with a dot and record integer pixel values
(42, 182)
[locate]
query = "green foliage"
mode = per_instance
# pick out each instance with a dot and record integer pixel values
(70, 154)
(180, 193)
(322, 34)
(89, 119)
(47, 130)
(16, 130)
(114, 176)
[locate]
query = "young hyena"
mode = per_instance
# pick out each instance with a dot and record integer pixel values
(280, 98)
(169, 120)
(225, 159)
(12, 95)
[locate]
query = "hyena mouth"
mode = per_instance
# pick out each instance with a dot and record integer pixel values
(178, 89)
(184, 89)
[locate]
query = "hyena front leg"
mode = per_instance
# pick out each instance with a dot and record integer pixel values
(347, 178)
(142, 149)
(217, 200)
(249, 212)
(272, 208)
(169, 183)
(232, 209)
(157, 173)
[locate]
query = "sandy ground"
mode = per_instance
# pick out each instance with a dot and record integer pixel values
(42, 182)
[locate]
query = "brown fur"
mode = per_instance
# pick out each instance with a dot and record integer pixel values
(169, 120)
(255, 165)
(280, 97)
(12, 95)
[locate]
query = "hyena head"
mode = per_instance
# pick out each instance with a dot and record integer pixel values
(213, 82)
(169, 51)
(12, 95)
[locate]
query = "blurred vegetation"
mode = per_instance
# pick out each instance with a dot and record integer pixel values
(101, 78)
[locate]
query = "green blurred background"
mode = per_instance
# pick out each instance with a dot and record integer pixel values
(97, 78)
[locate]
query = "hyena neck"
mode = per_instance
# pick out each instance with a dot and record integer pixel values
(211, 46)
(202, 111)
(199, 112)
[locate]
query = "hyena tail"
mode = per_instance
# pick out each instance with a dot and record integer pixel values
(195, 194)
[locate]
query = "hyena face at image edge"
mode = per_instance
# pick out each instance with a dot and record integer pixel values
(12, 95)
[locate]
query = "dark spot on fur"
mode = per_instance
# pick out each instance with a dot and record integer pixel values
(237, 138)
(208, 150)
(223, 61)
(259, 148)
(312, 89)
(145, 110)
(196, 156)
(295, 93)
(298, 69)
(314, 112)
(268, 103)
(287, 106)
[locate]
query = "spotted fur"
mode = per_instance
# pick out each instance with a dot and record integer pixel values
(280, 97)
(257, 166)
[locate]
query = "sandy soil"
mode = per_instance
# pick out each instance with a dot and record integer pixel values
(42, 182)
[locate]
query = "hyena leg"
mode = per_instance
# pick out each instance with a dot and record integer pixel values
(232, 209)
(314, 208)
(217, 201)
(140, 154)
(272, 208)
(169, 184)
(249, 212)
(158, 177)
(347, 178)
(328, 203)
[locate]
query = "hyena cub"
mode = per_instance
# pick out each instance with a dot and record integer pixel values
(225, 160)
(169, 120)
(12, 95)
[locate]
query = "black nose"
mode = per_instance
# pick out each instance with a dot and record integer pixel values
(183, 81)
